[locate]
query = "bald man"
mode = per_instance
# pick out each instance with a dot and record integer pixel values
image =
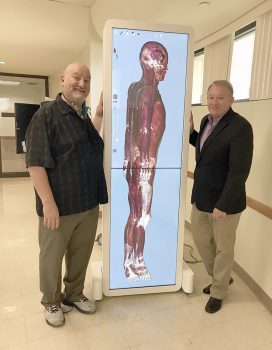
(64, 156)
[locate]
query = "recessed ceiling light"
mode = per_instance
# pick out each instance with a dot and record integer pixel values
(2, 62)
(204, 3)
(9, 83)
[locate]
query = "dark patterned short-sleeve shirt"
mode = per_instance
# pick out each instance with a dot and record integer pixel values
(71, 151)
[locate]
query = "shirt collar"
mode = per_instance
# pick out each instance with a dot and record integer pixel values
(214, 121)
(64, 107)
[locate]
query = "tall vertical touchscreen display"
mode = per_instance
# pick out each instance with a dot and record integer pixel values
(147, 102)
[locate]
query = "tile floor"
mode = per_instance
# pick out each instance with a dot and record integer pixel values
(163, 321)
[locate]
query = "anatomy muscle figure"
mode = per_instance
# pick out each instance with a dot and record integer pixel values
(145, 125)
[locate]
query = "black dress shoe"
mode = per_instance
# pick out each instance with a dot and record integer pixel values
(213, 305)
(207, 290)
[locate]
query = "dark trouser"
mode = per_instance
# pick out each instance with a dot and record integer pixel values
(74, 238)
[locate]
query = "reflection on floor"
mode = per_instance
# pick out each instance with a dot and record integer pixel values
(171, 321)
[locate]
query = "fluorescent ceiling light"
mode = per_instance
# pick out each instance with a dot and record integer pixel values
(2, 62)
(9, 83)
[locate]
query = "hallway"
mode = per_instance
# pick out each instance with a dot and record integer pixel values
(147, 322)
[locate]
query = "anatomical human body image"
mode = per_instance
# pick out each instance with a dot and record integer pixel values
(145, 126)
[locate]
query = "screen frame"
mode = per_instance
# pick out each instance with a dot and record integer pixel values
(107, 106)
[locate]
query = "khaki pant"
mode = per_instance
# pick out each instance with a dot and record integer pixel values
(74, 238)
(215, 240)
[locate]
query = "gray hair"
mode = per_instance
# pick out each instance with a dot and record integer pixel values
(224, 83)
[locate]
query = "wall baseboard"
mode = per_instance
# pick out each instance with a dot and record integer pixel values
(249, 281)
(253, 286)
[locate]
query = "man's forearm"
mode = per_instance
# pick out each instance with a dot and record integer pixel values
(97, 122)
(98, 118)
(40, 180)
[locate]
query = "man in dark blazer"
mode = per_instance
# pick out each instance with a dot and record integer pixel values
(224, 148)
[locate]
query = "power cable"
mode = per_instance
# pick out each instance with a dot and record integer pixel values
(195, 260)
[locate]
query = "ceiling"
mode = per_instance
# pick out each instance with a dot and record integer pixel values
(37, 36)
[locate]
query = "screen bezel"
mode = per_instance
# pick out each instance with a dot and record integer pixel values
(107, 105)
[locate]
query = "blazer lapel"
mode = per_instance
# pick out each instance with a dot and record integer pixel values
(202, 127)
(219, 127)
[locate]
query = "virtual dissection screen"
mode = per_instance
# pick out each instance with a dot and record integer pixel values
(148, 97)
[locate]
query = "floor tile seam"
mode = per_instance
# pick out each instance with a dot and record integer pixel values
(143, 342)
(35, 290)
(52, 336)
(261, 347)
(11, 317)
(229, 321)
(76, 331)
(248, 313)
(120, 325)
(25, 327)
(6, 347)
(10, 295)
(83, 327)
(61, 329)
(126, 317)
(166, 308)
(30, 314)
(19, 342)
(133, 347)
(148, 312)
(199, 327)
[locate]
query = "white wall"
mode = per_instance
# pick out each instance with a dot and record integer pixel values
(96, 69)
(54, 83)
(92, 57)
(254, 234)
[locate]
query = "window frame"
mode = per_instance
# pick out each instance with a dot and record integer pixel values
(238, 34)
(199, 52)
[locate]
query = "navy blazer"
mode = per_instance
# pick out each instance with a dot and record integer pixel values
(223, 164)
